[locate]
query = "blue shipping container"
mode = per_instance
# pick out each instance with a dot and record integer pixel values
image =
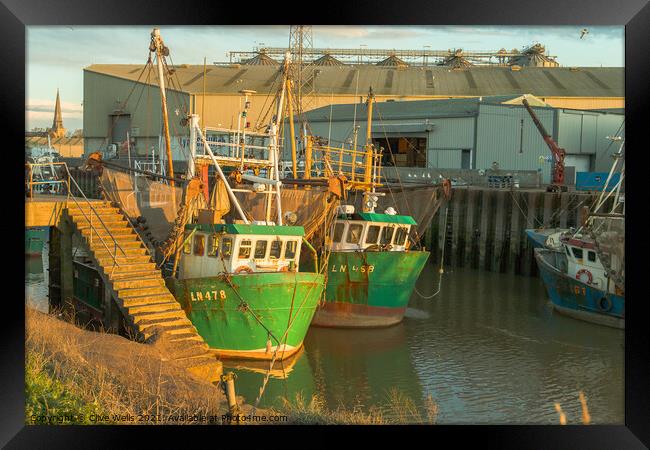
(595, 181)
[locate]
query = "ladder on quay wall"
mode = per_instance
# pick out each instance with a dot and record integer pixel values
(126, 267)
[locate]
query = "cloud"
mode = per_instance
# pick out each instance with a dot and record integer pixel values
(47, 106)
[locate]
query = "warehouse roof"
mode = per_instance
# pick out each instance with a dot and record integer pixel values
(456, 107)
(423, 81)
(42, 141)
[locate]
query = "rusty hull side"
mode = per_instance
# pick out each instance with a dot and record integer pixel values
(369, 289)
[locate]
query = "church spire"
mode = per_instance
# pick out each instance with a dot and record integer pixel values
(57, 129)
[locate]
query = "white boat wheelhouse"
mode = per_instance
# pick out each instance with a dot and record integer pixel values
(583, 263)
(213, 249)
(371, 232)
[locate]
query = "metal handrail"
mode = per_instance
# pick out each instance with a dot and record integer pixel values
(50, 164)
(120, 202)
(116, 245)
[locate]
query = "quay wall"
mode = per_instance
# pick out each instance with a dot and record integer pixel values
(484, 228)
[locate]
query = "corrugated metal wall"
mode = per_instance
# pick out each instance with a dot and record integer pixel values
(586, 133)
(102, 95)
(578, 131)
(447, 140)
(608, 125)
(499, 138)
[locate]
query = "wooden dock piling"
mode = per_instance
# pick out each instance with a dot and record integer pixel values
(485, 228)
(486, 196)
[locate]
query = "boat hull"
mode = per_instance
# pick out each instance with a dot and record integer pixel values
(235, 318)
(577, 299)
(369, 289)
(35, 238)
(538, 236)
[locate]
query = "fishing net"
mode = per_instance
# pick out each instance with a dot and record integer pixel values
(160, 204)
(609, 235)
(422, 203)
(309, 205)
(139, 196)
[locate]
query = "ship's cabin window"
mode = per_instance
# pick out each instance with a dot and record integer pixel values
(373, 234)
(245, 249)
(591, 256)
(213, 245)
(338, 232)
(290, 250)
(354, 233)
(387, 235)
(260, 249)
(577, 252)
(400, 236)
(199, 244)
(276, 249)
(187, 244)
(226, 247)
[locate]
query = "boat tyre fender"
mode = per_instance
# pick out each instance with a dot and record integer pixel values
(284, 269)
(446, 188)
(580, 272)
(605, 304)
(243, 269)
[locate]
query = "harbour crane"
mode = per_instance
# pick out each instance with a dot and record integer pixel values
(557, 152)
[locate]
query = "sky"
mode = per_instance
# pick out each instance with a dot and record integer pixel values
(56, 55)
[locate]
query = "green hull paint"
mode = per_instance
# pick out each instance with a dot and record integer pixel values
(35, 238)
(368, 289)
(227, 328)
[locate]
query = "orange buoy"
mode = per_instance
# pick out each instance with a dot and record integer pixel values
(446, 188)
(244, 269)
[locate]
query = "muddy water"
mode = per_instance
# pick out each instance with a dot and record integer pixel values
(487, 349)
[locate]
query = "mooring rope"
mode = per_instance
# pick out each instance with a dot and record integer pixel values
(322, 270)
(442, 262)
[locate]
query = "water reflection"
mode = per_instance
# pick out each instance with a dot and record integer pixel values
(493, 351)
(488, 349)
(360, 367)
(289, 377)
(36, 281)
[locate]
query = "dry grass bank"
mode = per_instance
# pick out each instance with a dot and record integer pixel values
(71, 370)
(397, 409)
(76, 376)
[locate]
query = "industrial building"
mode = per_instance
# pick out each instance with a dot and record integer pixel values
(124, 99)
(475, 133)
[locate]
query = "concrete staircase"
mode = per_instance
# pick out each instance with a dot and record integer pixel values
(139, 288)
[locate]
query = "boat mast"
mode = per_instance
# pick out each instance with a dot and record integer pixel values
(292, 132)
(158, 46)
(275, 126)
(368, 146)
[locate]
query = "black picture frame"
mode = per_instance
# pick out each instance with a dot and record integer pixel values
(15, 15)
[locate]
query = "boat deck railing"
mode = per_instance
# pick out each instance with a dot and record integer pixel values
(361, 167)
(232, 148)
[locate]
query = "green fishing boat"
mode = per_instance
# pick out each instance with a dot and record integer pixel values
(371, 272)
(241, 288)
(35, 238)
(371, 267)
(238, 277)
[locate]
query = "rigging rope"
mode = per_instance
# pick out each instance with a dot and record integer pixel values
(399, 180)
(442, 261)
(324, 265)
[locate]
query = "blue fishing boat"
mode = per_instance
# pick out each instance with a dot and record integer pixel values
(539, 236)
(584, 269)
(576, 296)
